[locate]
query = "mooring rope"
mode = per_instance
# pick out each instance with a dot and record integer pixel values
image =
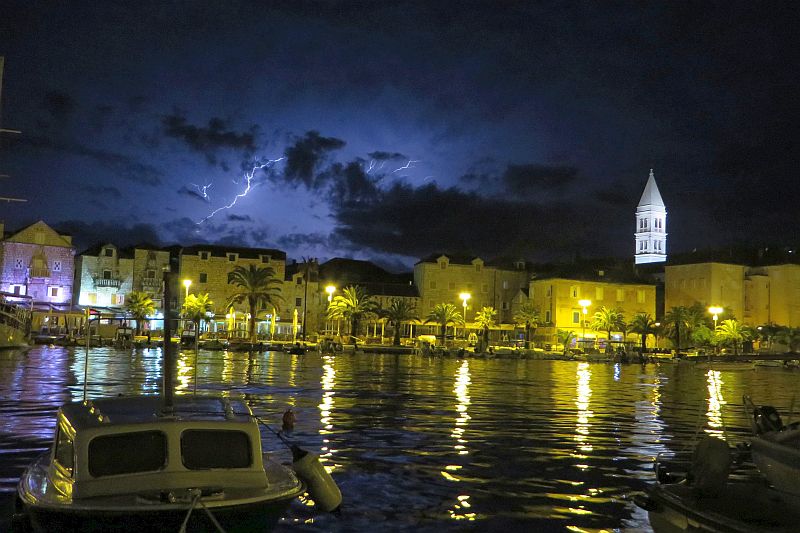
(211, 517)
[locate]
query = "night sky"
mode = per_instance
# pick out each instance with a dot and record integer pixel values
(404, 128)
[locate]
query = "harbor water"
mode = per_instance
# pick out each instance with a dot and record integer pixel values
(424, 443)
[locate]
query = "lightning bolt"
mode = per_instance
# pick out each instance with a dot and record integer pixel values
(407, 165)
(203, 190)
(248, 176)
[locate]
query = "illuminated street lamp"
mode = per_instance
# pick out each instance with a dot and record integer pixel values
(187, 283)
(330, 289)
(584, 304)
(655, 333)
(464, 297)
(716, 311)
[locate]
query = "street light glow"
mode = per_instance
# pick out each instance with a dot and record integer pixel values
(330, 289)
(187, 283)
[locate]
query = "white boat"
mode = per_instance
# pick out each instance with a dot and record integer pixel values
(163, 463)
(15, 320)
(121, 464)
(775, 448)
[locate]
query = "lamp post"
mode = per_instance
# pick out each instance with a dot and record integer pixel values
(716, 311)
(330, 289)
(655, 332)
(464, 297)
(584, 304)
(187, 283)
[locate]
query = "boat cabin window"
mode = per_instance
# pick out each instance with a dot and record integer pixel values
(65, 451)
(126, 453)
(201, 449)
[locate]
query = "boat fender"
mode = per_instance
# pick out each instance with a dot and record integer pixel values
(321, 486)
(288, 421)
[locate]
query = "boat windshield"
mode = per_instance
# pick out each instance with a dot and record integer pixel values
(126, 453)
(202, 449)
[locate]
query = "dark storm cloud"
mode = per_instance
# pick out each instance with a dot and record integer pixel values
(87, 234)
(192, 193)
(98, 118)
(120, 165)
(101, 190)
(239, 218)
(416, 221)
(305, 155)
(295, 241)
(58, 104)
(387, 156)
(350, 184)
(533, 178)
(210, 139)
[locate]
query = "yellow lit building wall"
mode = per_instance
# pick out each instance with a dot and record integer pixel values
(442, 281)
(719, 284)
(784, 295)
(557, 300)
(209, 274)
(756, 299)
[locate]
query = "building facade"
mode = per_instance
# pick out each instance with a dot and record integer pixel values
(753, 295)
(207, 268)
(38, 262)
(561, 303)
(651, 225)
(442, 278)
(103, 276)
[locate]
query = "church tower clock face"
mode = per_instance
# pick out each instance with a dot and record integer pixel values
(651, 225)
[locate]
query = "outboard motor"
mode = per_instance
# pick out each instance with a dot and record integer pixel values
(767, 419)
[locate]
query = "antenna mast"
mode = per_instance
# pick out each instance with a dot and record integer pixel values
(4, 131)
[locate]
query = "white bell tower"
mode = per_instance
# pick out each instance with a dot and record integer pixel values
(651, 225)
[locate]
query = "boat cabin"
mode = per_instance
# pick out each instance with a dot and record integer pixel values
(126, 445)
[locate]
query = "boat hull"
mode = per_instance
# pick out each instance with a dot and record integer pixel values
(744, 507)
(261, 516)
(780, 463)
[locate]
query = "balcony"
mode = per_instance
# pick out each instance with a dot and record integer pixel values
(151, 284)
(107, 282)
(39, 273)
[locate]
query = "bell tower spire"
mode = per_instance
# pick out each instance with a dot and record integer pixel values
(651, 225)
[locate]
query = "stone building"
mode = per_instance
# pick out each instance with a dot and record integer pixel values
(442, 278)
(561, 302)
(207, 267)
(105, 274)
(754, 295)
(38, 262)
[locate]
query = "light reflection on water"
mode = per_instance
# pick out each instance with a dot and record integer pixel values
(424, 443)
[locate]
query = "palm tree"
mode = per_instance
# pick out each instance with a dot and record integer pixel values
(353, 304)
(608, 320)
(444, 314)
(565, 336)
(140, 306)
(485, 320)
(790, 337)
(528, 316)
(644, 325)
(399, 311)
(195, 307)
(677, 322)
(731, 331)
(258, 288)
